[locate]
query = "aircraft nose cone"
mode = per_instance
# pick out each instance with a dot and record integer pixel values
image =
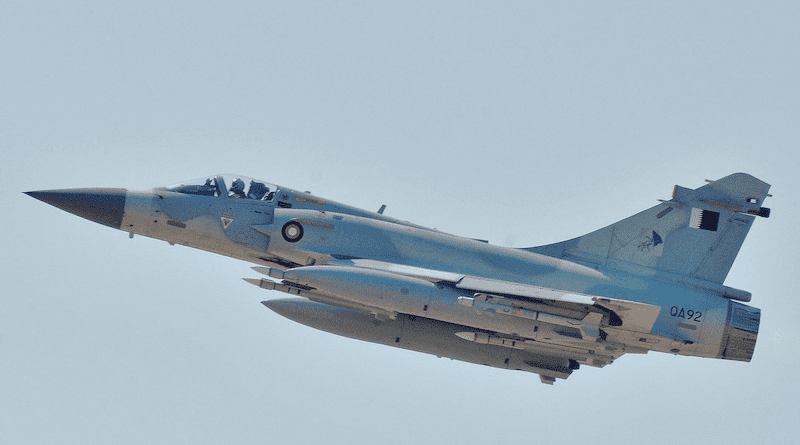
(101, 205)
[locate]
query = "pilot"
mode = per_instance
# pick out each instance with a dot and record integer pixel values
(257, 190)
(208, 189)
(237, 189)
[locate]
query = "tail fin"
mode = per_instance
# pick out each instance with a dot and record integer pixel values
(697, 233)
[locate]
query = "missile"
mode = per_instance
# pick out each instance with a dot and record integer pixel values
(488, 339)
(392, 293)
(269, 271)
(272, 285)
(589, 325)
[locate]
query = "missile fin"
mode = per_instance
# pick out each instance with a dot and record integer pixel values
(590, 327)
(269, 271)
(264, 284)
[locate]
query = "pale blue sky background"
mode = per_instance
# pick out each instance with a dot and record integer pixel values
(523, 123)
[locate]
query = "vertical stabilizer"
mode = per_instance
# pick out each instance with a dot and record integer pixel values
(697, 233)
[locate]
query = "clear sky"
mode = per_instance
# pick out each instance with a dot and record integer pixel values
(524, 123)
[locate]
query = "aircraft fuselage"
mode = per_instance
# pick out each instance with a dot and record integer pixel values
(379, 279)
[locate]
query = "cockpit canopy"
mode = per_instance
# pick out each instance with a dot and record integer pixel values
(229, 185)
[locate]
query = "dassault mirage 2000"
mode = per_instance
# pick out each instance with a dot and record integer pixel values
(651, 282)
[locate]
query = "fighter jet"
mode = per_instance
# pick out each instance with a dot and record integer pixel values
(650, 282)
